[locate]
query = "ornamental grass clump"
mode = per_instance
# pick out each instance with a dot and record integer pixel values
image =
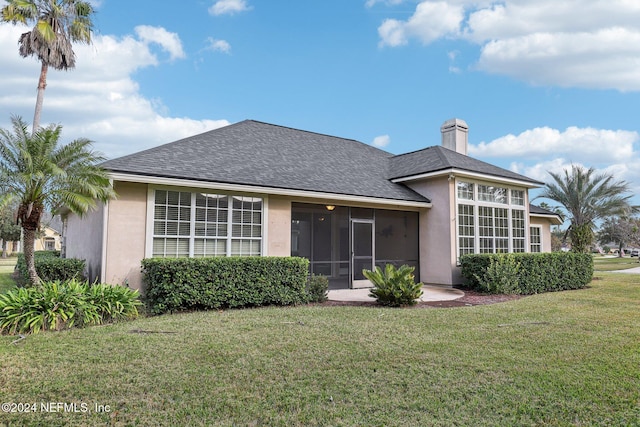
(394, 287)
(64, 305)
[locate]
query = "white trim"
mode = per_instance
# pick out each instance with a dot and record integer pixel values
(148, 247)
(551, 217)
(177, 182)
(466, 174)
(105, 233)
(265, 226)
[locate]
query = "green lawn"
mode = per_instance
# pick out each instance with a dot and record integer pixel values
(559, 359)
(610, 264)
(6, 270)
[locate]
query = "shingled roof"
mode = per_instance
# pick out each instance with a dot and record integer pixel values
(438, 158)
(264, 155)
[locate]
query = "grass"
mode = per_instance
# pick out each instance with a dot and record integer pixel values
(611, 264)
(6, 270)
(559, 359)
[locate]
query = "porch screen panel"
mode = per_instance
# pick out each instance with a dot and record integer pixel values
(397, 239)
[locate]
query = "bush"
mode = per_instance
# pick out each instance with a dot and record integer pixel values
(50, 268)
(63, 305)
(394, 287)
(538, 272)
(174, 284)
(502, 276)
(317, 288)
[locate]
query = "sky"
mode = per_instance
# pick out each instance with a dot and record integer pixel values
(542, 84)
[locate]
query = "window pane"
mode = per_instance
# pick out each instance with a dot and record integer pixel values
(465, 190)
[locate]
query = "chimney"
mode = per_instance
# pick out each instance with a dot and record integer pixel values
(455, 135)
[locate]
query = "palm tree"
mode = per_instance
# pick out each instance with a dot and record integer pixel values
(40, 174)
(56, 24)
(587, 197)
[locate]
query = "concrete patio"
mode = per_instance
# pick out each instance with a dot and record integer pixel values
(430, 293)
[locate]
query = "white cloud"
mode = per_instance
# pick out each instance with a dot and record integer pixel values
(99, 99)
(430, 21)
(381, 141)
(573, 43)
(218, 45)
(536, 152)
(597, 145)
(371, 3)
(228, 7)
(170, 42)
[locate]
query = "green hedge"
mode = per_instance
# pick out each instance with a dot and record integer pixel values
(537, 272)
(174, 284)
(50, 268)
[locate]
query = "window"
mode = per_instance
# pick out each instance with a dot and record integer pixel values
(200, 224)
(535, 234)
(517, 218)
(465, 191)
(489, 193)
(491, 219)
(517, 197)
(466, 229)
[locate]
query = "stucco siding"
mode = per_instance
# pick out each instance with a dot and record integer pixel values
(83, 240)
(437, 226)
(126, 228)
(279, 227)
(545, 225)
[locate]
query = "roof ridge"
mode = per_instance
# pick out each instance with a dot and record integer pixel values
(320, 134)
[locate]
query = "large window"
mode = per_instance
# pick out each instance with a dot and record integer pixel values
(491, 219)
(202, 224)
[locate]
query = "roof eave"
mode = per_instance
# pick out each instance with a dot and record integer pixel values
(455, 172)
(181, 182)
(555, 219)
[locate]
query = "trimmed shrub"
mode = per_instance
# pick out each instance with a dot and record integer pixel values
(63, 305)
(317, 288)
(394, 287)
(502, 275)
(50, 268)
(175, 284)
(538, 272)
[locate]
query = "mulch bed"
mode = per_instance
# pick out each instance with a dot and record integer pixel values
(470, 298)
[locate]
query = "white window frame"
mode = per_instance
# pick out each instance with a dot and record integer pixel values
(540, 243)
(151, 211)
(507, 204)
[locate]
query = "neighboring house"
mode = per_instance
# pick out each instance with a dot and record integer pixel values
(257, 189)
(50, 236)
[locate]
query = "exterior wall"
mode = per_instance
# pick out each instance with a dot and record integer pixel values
(279, 227)
(83, 240)
(126, 232)
(545, 225)
(437, 229)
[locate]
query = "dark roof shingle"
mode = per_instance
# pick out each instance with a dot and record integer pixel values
(266, 155)
(438, 158)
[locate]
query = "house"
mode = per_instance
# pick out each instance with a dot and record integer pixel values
(49, 238)
(258, 189)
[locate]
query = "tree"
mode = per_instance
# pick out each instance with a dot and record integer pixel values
(40, 174)
(56, 25)
(623, 231)
(587, 197)
(9, 228)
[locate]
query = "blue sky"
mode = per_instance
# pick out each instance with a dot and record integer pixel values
(541, 83)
